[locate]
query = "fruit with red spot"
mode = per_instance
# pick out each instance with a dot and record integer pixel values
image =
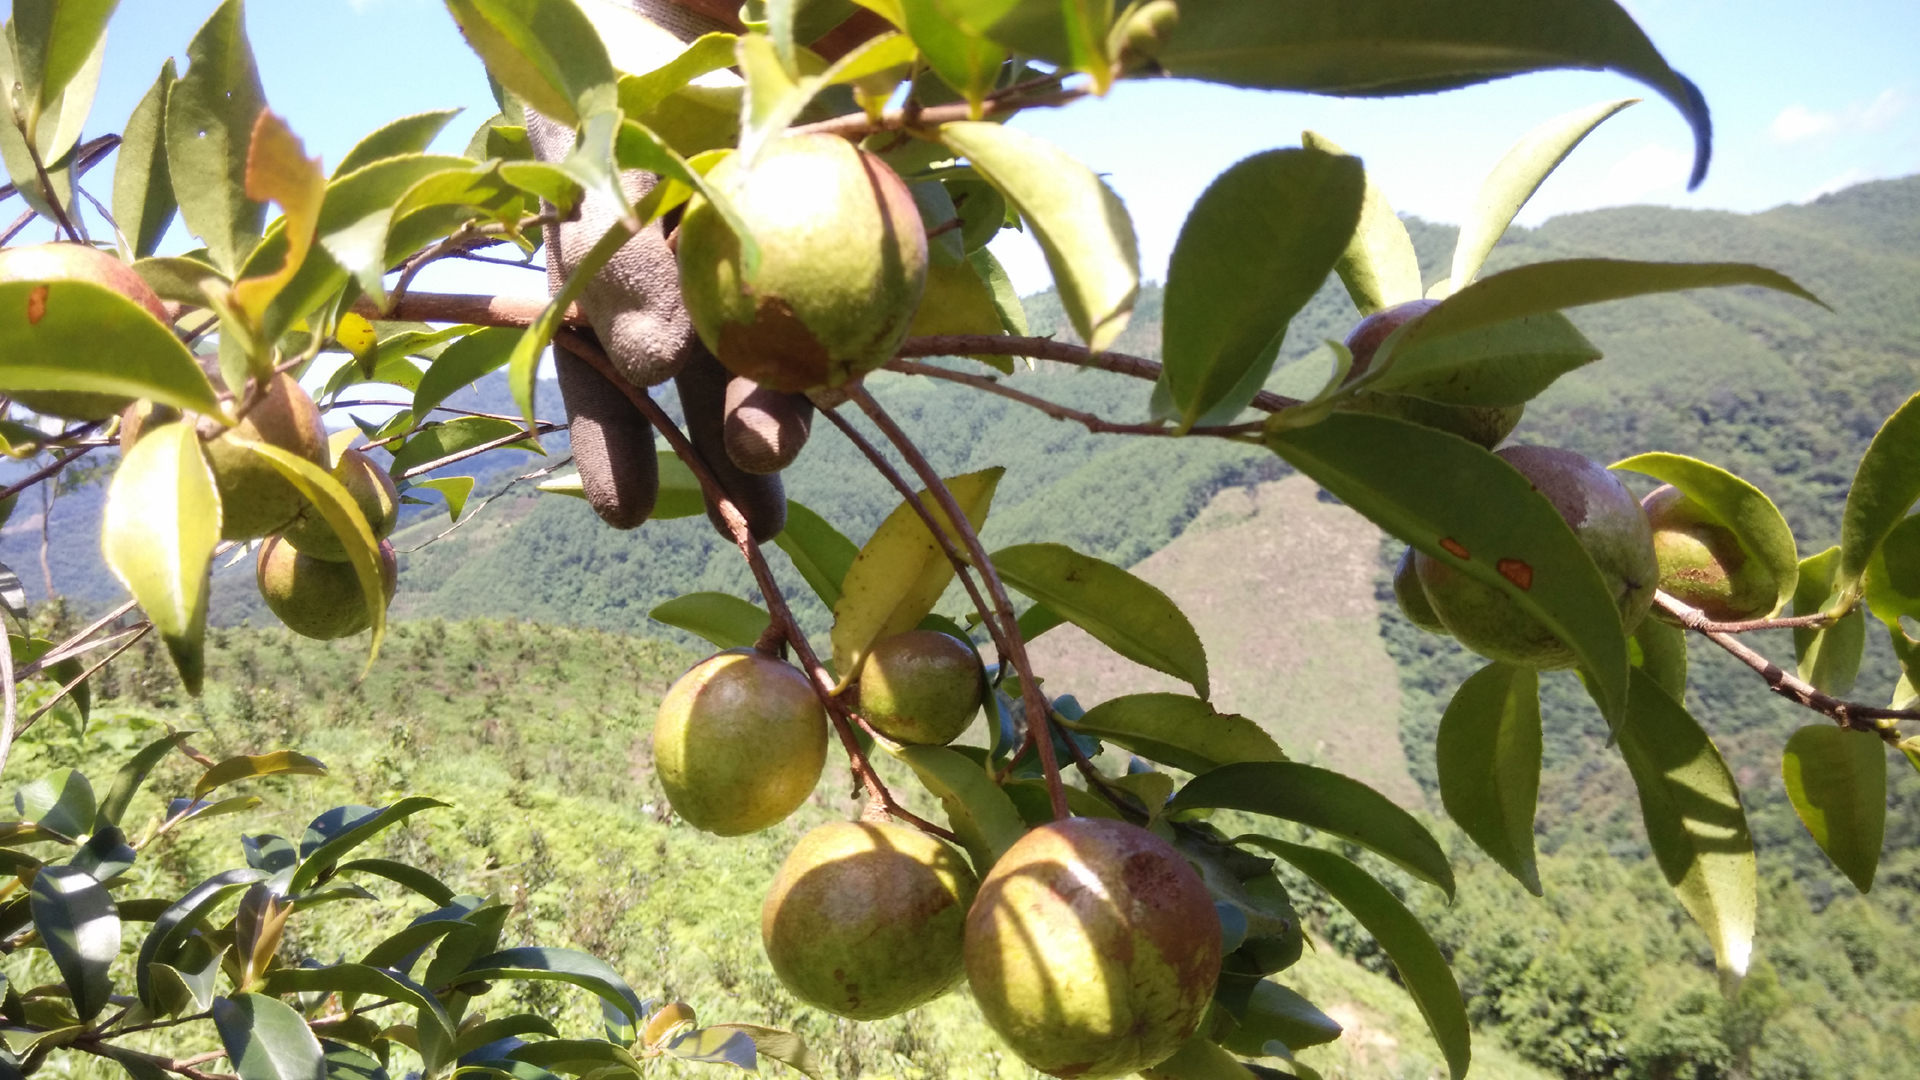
(373, 492)
(1608, 522)
(866, 920)
(1702, 562)
(920, 687)
(1483, 424)
(739, 742)
(843, 260)
(316, 598)
(1093, 948)
(61, 262)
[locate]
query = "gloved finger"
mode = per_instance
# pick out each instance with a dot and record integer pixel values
(612, 444)
(703, 399)
(764, 430)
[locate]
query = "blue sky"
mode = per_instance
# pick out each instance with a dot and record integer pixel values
(1806, 98)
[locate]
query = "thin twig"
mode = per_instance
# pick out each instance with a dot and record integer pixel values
(1695, 619)
(913, 118)
(1063, 352)
(1848, 714)
(1088, 420)
(736, 522)
(85, 157)
(137, 633)
(478, 310)
(358, 403)
(540, 428)
(43, 472)
(484, 503)
(1036, 705)
(46, 193)
(70, 647)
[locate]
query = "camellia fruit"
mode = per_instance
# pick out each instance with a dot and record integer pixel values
(1608, 522)
(739, 742)
(316, 598)
(843, 260)
(1093, 948)
(866, 920)
(1702, 562)
(1483, 424)
(1412, 597)
(373, 492)
(255, 499)
(920, 687)
(77, 262)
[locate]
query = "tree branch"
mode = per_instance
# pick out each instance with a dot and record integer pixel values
(926, 119)
(540, 428)
(479, 310)
(1087, 420)
(1695, 619)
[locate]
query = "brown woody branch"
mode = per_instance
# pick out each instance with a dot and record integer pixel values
(1090, 421)
(927, 119)
(1848, 714)
(1695, 619)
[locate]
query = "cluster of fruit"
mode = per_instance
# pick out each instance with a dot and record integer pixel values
(1091, 946)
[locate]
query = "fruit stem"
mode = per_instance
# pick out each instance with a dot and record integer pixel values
(1848, 714)
(1036, 705)
(588, 349)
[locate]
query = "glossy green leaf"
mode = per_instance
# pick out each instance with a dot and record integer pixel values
(346, 1063)
(721, 618)
(1837, 780)
(1324, 800)
(267, 1040)
(79, 336)
(358, 214)
(407, 877)
(455, 489)
(558, 965)
(1037, 620)
(401, 950)
(547, 53)
(1372, 48)
(1662, 651)
(980, 814)
(784, 1047)
(1006, 299)
(143, 201)
(1694, 820)
(467, 359)
(965, 60)
(247, 766)
(524, 365)
(80, 928)
(126, 782)
(1507, 363)
(1200, 1058)
(502, 1027)
(1118, 609)
(210, 115)
(1829, 656)
(1757, 523)
(1274, 1012)
(818, 550)
(1379, 266)
(441, 440)
(899, 575)
(333, 834)
(1885, 487)
(1254, 249)
(161, 523)
(578, 1057)
(1488, 757)
(1892, 582)
(1423, 970)
(170, 931)
(1425, 486)
(1080, 224)
(774, 96)
(360, 979)
(1514, 180)
(641, 94)
(407, 135)
(53, 40)
(1177, 730)
(61, 801)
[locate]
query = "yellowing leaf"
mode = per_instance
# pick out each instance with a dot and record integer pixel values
(278, 169)
(901, 572)
(161, 523)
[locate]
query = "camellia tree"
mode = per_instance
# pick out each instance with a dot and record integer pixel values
(765, 206)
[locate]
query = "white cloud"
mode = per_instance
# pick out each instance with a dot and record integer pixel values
(1650, 168)
(1797, 122)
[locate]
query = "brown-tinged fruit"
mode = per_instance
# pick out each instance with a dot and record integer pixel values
(764, 429)
(1702, 562)
(866, 920)
(1093, 948)
(739, 742)
(843, 259)
(1483, 424)
(1608, 522)
(703, 398)
(76, 262)
(1413, 598)
(316, 598)
(254, 498)
(373, 492)
(920, 687)
(612, 444)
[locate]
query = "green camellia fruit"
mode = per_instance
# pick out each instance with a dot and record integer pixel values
(314, 597)
(255, 499)
(76, 262)
(920, 687)
(373, 492)
(1093, 948)
(1608, 522)
(1702, 562)
(1483, 424)
(866, 920)
(739, 743)
(843, 261)
(1413, 598)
